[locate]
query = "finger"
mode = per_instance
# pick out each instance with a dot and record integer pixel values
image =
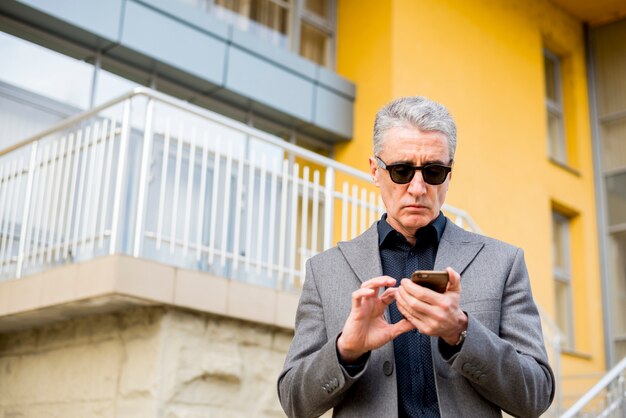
(413, 308)
(358, 295)
(411, 317)
(415, 291)
(401, 327)
(378, 282)
(389, 295)
(454, 280)
(404, 305)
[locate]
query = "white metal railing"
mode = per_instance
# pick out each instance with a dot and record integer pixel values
(154, 177)
(606, 399)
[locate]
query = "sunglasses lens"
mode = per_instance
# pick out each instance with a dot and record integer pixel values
(434, 174)
(401, 173)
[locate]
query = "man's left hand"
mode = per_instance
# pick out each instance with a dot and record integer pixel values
(432, 313)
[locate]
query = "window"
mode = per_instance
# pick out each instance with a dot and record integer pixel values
(557, 149)
(305, 27)
(562, 277)
(265, 19)
(317, 32)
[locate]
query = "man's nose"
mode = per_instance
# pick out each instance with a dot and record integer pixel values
(417, 185)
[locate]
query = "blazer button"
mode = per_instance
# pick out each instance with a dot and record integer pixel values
(387, 368)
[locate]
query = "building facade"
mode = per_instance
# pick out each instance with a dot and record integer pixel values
(169, 165)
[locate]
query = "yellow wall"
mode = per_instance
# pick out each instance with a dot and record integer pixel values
(483, 59)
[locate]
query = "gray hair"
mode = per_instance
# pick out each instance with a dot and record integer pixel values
(419, 112)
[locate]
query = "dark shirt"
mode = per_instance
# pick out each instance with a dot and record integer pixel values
(417, 394)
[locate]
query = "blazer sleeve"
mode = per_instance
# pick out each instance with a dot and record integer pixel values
(511, 369)
(312, 380)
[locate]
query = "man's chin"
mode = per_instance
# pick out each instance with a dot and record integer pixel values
(417, 220)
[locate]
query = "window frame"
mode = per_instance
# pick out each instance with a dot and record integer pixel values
(554, 107)
(563, 275)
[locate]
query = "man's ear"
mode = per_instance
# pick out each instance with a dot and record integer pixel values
(451, 165)
(374, 170)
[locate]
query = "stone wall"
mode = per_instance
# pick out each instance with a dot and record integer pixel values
(143, 362)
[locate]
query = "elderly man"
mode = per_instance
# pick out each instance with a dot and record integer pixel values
(370, 343)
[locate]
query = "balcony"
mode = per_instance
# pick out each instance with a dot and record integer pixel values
(151, 177)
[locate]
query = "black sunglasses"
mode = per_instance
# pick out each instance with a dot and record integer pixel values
(401, 173)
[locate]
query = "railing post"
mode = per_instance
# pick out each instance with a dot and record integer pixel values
(143, 176)
(613, 375)
(25, 218)
(329, 207)
(121, 163)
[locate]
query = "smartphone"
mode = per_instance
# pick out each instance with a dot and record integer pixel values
(434, 280)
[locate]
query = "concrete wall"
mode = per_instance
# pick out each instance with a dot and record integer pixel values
(143, 362)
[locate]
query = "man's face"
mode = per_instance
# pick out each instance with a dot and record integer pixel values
(415, 204)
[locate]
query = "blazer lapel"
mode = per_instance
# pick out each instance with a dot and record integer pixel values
(457, 249)
(362, 254)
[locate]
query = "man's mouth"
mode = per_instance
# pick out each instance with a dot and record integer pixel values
(416, 206)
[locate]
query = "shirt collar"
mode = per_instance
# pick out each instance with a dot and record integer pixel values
(384, 229)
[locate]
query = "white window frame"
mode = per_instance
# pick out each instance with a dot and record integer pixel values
(563, 274)
(555, 108)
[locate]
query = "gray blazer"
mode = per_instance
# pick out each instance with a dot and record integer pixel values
(501, 365)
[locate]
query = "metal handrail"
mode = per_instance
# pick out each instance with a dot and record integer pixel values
(610, 377)
(205, 113)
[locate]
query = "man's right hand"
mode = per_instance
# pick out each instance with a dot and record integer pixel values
(366, 327)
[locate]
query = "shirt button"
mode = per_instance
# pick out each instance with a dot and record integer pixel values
(387, 368)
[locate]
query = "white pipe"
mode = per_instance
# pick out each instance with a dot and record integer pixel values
(238, 206)
(24, 224)
(143, 177)
(261, 218)
(121, 165)
(175, 202)
(164, 161)
(203, 174)
(190, 177)
(107, 181)
(55, 204)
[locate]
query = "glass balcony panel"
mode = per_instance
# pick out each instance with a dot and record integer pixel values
(110, 86)
(45, 72)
